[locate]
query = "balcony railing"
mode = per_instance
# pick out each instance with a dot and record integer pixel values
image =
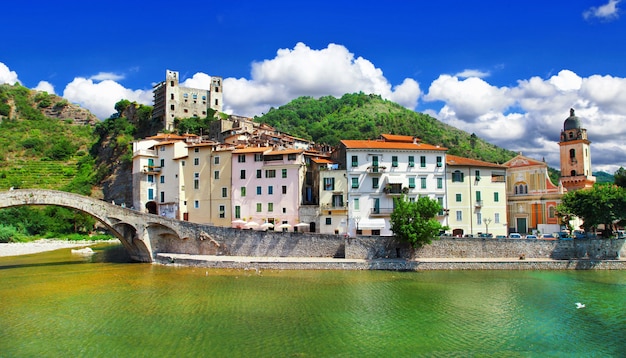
(331, 206)
(151, 169)
(375, 169)
(478, 204)
(381, 211)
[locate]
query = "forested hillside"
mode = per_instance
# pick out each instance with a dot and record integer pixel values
(360, 116)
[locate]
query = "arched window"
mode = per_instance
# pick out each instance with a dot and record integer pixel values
(573, 173)
(572, 153)
(457, 176)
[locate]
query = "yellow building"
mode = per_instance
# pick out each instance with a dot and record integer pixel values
(575, 155)
(531, 197)
(476, 197)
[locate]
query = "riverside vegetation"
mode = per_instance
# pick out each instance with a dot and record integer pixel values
(48, 143)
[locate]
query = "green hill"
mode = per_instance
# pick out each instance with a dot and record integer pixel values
(360, 116)
(44, 140)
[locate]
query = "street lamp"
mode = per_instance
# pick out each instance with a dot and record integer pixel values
(487, 222)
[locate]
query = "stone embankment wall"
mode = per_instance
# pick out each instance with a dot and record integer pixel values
(387, 247)
(237, 242)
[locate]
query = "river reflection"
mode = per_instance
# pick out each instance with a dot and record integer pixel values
(55, 304)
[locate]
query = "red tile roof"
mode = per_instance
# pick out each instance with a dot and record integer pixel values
(377, 144)
(454, 160)
(399, 138)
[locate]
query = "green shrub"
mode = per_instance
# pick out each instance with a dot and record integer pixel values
(7, 233)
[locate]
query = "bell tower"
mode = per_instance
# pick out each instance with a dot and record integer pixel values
(575, 157)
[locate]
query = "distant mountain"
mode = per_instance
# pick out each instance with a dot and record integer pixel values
(604, 177)
(361, 116)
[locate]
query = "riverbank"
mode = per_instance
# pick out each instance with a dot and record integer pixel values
(43, 245)
(420, 264)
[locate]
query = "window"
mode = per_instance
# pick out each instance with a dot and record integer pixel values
(496, 218)
(422, 161)
(270, 207)
(196, 204)
(439, 183)
(259, 207)
(355, 161)
(216, 160)
(162, 196)
(243, 191)
(242, 174)
(439, 162)
(337, 201)
(172, 107)
(196, 183)
(394, 161)
(477, 174)
(241, 158)
(222, 211)
(196, 150)
(411, 161)
(459, 215)
(479, 218)
(440, 202)
(196, 161)
(478, 196)
(259, 191)
(457, 176)
(150, 162)
(224, 192)
(270, 190)
(284, 189)
(163, 161)
(150, 178)
(423, 183)
(182, 163)
(162, 179)
(259, 173)
(237, 212)
(496, 197)
(329, 221)
(459, 198)
(572, 153)
(356, 204)
(150, 194)
(374, 183)
(270, 173)
(216, 174)
(375, 161)
(258, 157)
(329, 183)
(284, 173)
(291, 156)
(411, 182)
(355, 183)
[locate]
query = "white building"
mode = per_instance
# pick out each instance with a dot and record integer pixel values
(378, 171)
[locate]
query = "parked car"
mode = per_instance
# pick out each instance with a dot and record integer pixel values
(500, 236)
(531, 237)
(515, 235)
(485, 236)
(548, 237)
(580, 235)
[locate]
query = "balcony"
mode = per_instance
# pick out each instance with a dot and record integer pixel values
(151, 169)
(375, 169)
(381, 211)
(334, 207)
(478, 204)
(395, 189)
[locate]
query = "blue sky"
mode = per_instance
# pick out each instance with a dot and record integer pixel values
(508, 71)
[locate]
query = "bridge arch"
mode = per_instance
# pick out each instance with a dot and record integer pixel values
(134, 229)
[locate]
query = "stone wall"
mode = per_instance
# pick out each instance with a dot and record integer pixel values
(236, 242)
(388, 247)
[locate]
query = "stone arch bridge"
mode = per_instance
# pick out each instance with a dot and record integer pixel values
(142, 234)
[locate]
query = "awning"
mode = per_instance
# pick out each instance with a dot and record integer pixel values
(370, 224)
(395, 179)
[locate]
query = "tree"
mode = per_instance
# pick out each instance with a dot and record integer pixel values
(415, 222)
(620, 177)
(602, 204)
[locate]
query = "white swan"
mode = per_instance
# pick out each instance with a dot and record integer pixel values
(580, 305)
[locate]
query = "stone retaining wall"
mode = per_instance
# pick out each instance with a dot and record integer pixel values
(237, 242)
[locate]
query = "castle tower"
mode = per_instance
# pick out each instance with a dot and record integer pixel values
(575, 157)
(172, 101)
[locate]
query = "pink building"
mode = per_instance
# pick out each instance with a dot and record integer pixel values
(266, 186)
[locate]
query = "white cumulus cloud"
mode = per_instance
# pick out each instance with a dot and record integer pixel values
(44, 86)
(607, 12)
(303, 71)
(100, 97)
(6, 75)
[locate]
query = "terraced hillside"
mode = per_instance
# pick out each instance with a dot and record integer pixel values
(27, 174)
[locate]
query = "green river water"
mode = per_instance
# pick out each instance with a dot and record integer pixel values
(58, 305)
